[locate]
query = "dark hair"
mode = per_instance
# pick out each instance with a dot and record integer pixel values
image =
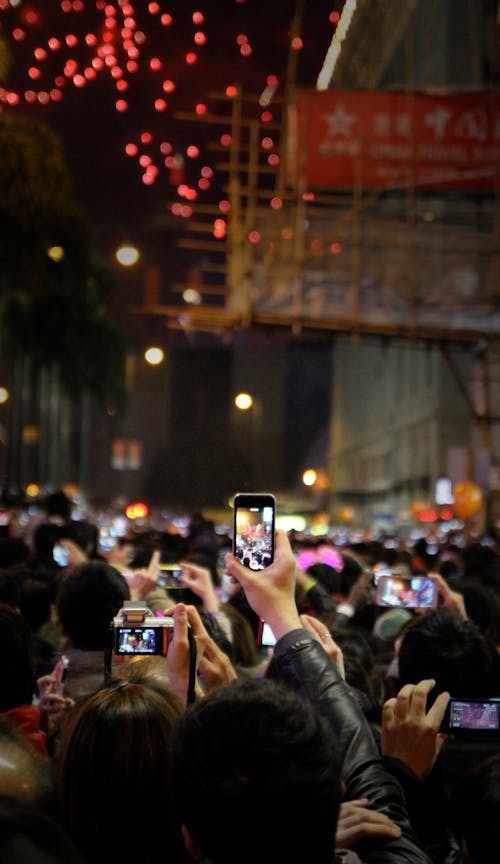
(85, 534)
(89, 597)
(45, 535)
(115, 750)
(327, 576)
(475, 810)
(37, 593)
(17, 680)
(255, 747)
(452, 650)
(24, 773)
(26, 834)
(9, 588)
(13, 551)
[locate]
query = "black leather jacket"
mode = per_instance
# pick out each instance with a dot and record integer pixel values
(300, 662)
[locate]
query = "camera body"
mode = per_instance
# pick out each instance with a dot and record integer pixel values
(137, 631)
(472, 718)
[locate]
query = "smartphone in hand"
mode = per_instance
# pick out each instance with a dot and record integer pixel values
(414, 592)
(254, 516)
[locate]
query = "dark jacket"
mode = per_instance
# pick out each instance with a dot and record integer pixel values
(300, 662)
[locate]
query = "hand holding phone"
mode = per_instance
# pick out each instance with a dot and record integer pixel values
(271, 592)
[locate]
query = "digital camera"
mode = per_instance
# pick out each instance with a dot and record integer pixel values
(137, 631)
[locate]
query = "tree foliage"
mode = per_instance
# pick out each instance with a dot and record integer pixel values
(54, 312)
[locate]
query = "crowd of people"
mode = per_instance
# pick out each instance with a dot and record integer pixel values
(334, 745)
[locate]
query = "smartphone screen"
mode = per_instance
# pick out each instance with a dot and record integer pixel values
(265, 636)
(416, 592)
(253, 532)
(472, 717)
(170, 576)
(60, 555)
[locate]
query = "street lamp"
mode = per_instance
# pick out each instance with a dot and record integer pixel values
(243, 401)
(127, 255)
(154, 356)
(309, 477)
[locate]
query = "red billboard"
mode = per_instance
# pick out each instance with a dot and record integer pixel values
(393, 140)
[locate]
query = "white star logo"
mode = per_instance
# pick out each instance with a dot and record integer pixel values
(340, 122)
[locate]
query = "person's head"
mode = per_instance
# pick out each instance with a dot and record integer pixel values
(327, 576)
(9, 588)
(26, 834)
(452, 650)
(89, 597)
(256, 776)
(82, 532)
(24, 773)
(45, 536)
(17, 680)
(475, 812)
(114, 760)
(37, 597)
(14, 551)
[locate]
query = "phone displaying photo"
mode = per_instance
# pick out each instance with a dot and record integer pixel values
(253, 529)
(414, 592)
(472, 717)
(170, 576)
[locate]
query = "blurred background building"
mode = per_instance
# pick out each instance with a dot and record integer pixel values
(341, 267)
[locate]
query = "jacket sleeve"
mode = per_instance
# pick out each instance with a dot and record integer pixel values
(300, 662)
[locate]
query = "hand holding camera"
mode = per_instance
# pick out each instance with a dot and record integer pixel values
(410, 732)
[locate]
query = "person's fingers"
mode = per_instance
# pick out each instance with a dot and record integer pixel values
(153, 566)
(388, 709)
(403, 702)
(179, 612)
(195, 622)
(437, 711)
(418, 700)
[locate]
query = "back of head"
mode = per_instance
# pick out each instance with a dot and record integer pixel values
(89, 597)
(27, 835)
(328, 577)
(82, 532)
(13, 551)
(24, 774)
(16, 668)
(475, 811)
(37, 594)
(257, 775)
(452, 650)
(114, 758)
(9, 588)
(45, 535)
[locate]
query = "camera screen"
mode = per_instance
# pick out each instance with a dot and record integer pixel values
(474, 715)
(418, 592)
(139, 640)
(170, 576)
(254, 536)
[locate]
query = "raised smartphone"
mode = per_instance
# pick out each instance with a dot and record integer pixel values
(253, 529)
(415, 592)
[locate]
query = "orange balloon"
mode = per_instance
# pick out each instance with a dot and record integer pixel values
(468, 499)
